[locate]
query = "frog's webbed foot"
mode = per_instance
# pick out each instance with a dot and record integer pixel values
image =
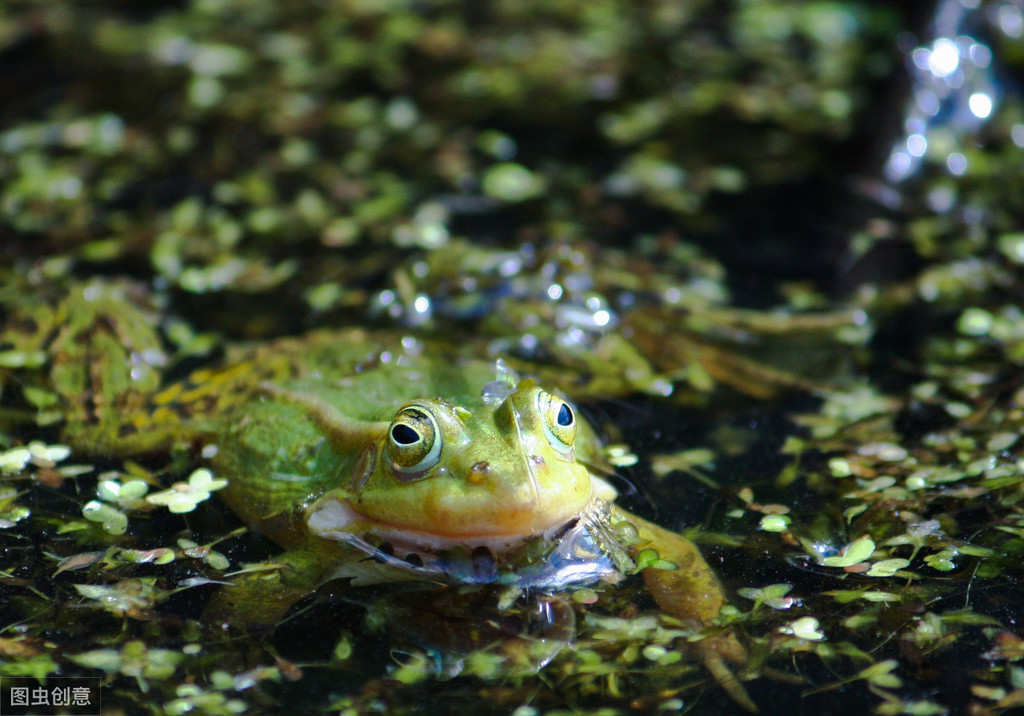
(715, 650)
(693, 593)
(262, 598)
(727, 680)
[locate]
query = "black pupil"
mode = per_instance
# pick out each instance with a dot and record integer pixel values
(404, 435)
(564, 416)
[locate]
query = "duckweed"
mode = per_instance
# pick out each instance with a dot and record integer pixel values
(186, 496)
(591, 191)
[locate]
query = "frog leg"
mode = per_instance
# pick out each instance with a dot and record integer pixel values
(692, 592)
(346, 434)
(262, 598)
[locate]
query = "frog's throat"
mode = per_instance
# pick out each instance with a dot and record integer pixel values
(334, 518)
(582, 551)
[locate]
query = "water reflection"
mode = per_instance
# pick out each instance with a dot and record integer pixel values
(453, 627)
(954, 91)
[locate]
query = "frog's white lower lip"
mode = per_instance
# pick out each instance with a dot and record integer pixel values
(336, 519)
(580, 551)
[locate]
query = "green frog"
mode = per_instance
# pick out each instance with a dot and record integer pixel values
(379, 458)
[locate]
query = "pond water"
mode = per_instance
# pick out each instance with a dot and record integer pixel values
(772, 251)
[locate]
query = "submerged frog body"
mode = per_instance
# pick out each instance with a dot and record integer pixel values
(439, 472)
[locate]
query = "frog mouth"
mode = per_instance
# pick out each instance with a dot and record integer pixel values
(580, 551)
(335, 518)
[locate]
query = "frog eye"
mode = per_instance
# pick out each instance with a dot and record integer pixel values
(559, 422)
(413, 444)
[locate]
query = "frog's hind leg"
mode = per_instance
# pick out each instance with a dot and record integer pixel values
(692, 592)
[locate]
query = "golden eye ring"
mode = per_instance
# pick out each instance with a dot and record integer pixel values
(559, 422)
(413, 444)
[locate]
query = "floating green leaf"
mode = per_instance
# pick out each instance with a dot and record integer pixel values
(775, 523)
(806, 628)
(114, 522)
(649, 558)
(184, 497)
(887, 567)
(854, 553)
(773, 595)
(880, 674)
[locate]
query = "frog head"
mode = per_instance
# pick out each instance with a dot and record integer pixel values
(491, 470)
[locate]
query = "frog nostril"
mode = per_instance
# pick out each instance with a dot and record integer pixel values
(478, 472)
